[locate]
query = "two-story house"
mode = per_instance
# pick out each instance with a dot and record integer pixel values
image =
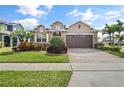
(8, 28)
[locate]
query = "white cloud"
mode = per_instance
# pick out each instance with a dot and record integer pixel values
(112, 14)
(88, 15)
(49, 7)
(100, 27)
(34, 10)
(90, 23)
(30, 10)
(28, 22)
(73, 13)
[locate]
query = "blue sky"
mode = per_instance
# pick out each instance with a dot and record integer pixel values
(32, 15)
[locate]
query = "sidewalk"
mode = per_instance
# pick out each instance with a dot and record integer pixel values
(35, 66)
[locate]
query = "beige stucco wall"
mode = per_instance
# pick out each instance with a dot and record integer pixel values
(50, 36)
(94, 38)
(75, 28)
(63, 35)
(57, 24)
(83, 30)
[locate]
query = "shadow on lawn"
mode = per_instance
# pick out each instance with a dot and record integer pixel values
(51, 54)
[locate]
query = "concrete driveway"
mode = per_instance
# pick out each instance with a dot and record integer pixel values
(95, 68)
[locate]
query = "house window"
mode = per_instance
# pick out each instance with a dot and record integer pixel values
(44, 38)
(40, 29)
(57, 27)
(41, 38)
(38, 38)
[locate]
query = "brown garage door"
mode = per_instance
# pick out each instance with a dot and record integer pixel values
(79, 41)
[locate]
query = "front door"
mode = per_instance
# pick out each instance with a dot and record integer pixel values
(6, 41)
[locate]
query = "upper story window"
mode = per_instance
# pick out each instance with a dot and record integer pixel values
(40, 29)
(44, 38)
(38, 38)
(57, 27)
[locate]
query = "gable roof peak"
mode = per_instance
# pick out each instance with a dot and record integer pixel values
(81, 23)
(57, 22)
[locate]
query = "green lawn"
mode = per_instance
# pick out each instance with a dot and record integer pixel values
(34, 78)
(32, 57)
(6, 49)
(6, 55)
(119, 53)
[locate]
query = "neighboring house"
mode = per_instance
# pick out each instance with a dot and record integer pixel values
(107, 40)
(77, 35)
(8, 28)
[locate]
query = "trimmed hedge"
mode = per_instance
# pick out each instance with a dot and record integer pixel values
(57, 49)
(57, 45)
(99, 45)
(110, 48)
(25, 46)
(44, 46)
(37, 46)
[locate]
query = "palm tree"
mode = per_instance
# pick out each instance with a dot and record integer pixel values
(120, 29)
(107, 30)
(121, 37)
(110, 30)
(113, 28)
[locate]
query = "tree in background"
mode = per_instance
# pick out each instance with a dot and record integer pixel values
(119, 30)
(1, 28)
(115, 30)
(108, 30)
(29, 35)
(22, 35)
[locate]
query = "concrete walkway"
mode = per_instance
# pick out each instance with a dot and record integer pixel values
(91, 68)
(94, 68)
(35, 66)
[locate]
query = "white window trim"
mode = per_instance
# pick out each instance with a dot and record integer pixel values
(35, 38)
(10, 40)
(46, 38)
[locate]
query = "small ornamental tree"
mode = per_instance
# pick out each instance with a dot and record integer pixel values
(57, 41)
(57, 45)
